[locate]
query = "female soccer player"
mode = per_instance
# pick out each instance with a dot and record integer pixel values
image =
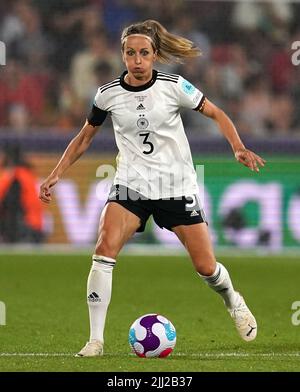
(155, 173)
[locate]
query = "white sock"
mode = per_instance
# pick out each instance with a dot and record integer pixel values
(220, 282)
(98, 294)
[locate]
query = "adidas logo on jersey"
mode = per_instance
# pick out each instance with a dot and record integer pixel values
(141, 107)
(194, 213)
(94, 297)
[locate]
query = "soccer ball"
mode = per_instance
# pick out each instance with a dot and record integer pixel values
(152, 335)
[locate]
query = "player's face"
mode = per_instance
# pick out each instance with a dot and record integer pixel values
(139, 56)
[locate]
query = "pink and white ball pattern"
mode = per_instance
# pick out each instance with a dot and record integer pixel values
(152, 335)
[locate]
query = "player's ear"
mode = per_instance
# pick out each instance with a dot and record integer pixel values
(155, 56)
(123, 55)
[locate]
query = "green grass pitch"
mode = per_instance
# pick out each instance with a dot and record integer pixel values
(47, 318)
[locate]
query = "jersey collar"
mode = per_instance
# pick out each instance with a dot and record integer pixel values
(143, 87)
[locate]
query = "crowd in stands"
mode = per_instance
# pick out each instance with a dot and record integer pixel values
(60, 51)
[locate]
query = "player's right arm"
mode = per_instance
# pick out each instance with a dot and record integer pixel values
(78, 145)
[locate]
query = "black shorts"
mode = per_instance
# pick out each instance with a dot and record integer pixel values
(167, 213)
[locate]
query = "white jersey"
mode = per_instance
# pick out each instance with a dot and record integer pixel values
(154, 154)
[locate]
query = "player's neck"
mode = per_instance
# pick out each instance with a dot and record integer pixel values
(132, 81)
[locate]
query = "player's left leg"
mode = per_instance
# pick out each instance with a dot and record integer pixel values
(117, 225)
(197, 241)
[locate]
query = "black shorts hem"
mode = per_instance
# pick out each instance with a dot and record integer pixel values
(185, 224)
(164, 224)
(130, 208)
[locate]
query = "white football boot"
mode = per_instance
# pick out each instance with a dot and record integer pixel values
(244, 320)
(91, 349)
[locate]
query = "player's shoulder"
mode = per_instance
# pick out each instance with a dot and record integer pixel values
(110, 85)
(167, 77)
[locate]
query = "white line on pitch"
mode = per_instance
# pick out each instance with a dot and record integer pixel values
(194, 355)
(238, 355)
(36, 354)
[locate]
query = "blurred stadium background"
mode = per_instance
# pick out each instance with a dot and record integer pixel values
(59, 52)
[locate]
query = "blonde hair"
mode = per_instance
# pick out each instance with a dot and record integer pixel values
(170, 48)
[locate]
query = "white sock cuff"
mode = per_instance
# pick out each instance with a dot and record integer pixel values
(103, 260)
(215, 276)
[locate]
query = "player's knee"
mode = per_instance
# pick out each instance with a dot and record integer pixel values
(107, 247)
(106, 250)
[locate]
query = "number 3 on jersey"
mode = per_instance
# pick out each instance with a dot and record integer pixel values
(150, 148)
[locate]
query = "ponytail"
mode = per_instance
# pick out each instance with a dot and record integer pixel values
(170, 48)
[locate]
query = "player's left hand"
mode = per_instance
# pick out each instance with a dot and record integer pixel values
(249, 158)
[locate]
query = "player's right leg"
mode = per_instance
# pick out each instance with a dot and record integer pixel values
(117, 225)
(196, 240)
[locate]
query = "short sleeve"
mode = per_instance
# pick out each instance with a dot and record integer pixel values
(98, 114)
(188, 95)
(99, 101)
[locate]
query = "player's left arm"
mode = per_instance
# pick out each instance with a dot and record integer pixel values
(226, 126)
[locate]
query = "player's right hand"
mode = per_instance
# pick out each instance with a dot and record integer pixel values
(249, 159)
(45, 194)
